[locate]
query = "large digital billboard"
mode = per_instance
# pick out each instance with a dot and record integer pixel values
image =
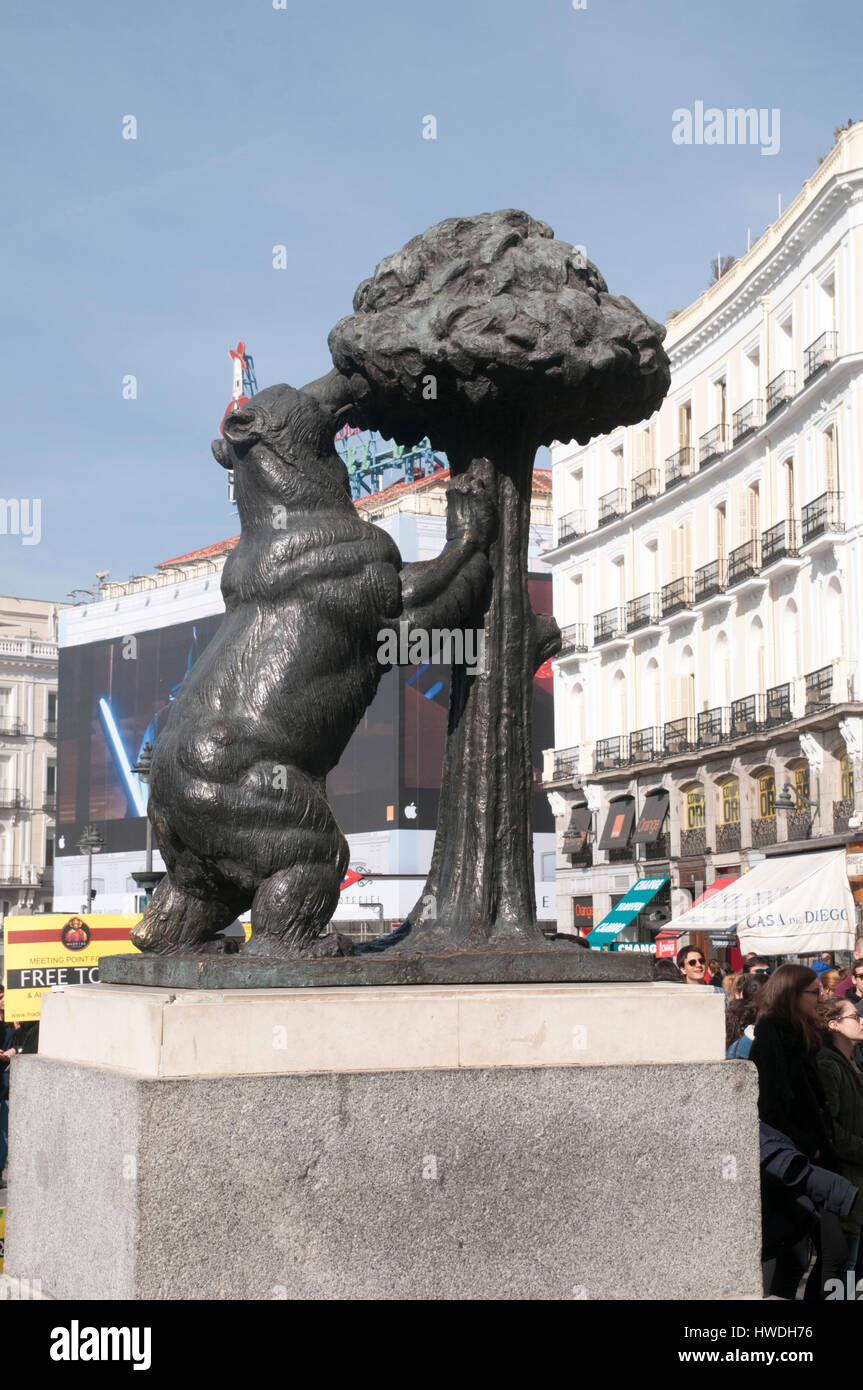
(114, 693)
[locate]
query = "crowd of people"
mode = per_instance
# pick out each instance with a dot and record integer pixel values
(802, 1027)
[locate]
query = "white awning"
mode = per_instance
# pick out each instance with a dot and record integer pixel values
(790, 904)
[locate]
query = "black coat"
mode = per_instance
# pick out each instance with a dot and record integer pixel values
(794, 1193)
(843, 1088)
(790, 1094)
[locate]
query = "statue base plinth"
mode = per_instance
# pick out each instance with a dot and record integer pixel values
(471, 1142)
(564, 964)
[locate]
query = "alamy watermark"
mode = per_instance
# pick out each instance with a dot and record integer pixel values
(436, 646)
(21, 516)
(734, 126)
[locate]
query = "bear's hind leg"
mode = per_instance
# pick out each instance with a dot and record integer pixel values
(176, 922)
(290, 910)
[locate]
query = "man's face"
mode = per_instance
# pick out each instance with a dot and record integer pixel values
(693, 967)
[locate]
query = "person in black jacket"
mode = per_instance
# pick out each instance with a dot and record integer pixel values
(842, 1080)
(788, 1034)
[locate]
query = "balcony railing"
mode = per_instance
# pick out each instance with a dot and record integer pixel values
(711, 445)
(711, 579)
(571, 526)
(678, 467)
(607, 625)
(49, 801)
(642, 612)
(778, 541)
(656, 849)
(645, 487)
(777, 704)
(50, 728)
(609, 753)
(573, 639)
(780, 390)
(727, 838)
(644, 745)
(820, 353)
(565, 763)
(12, 801)
(678, 736)
(823, 514)
(842, 812)
(10, 726)
(764, 832)
(819, 689)
(799, 825)
(712, 727)
(693, 842)
(747, 715)
(677, 595)
(612, 505)
(19, 874)
(748, 418)
(744, 561)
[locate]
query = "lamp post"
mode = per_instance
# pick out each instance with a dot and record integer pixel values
(90, 843)
(148, 879)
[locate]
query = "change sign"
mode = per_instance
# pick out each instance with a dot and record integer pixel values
(56, 949)
(629, 907)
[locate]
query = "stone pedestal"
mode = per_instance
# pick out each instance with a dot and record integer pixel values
(506, 1142)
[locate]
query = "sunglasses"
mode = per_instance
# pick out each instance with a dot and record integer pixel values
(761, 971)
(696, 960)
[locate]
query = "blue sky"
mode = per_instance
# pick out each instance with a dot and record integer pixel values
(303, 127)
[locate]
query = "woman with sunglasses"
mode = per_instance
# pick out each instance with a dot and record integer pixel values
(842, 1081)
(788, 1035)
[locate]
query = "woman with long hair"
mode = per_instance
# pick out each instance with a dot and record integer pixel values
(842, 1080)
(741, 1015)
(788, 1034)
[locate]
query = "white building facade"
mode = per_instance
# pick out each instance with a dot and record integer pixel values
(28, 753)
(707, 575)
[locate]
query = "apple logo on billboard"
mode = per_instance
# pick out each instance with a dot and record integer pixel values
(411, 811)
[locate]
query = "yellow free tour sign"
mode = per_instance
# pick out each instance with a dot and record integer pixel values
(56, 949)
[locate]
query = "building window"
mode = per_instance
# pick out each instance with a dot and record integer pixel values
(831, 460)
(548, 863)
(846, 778)
(684, 425)
(731, 802)
(767, 796)
(695, 813)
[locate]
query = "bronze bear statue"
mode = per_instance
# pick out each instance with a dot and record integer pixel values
(238, 782)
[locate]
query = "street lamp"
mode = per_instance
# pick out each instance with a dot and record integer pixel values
(90, 843)
(148, 879)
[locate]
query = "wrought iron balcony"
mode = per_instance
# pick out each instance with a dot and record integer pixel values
(12, 801)
(565, 763)
(678, 736)
(820, 353)
(744, 562)
(693, 842)
(764, 832)
(822, 515)
(711, 445)
(778, 542)
(645, 487)
(49, 801)
(711, 579)
(799, 825)
(571, 526)
(712, 726)
(644, 745)
(819, 689)
(15, 873)
(747, 715)
(780, 390)
(642, 612)
(610, 753)
(656, 849)
(607, 625)
(12, 727)
(573, 639)
(777, 704)
(748, 418)
(612, 505)
(50, 728)
(842, 812)
(727, 838)
(678, 467)
(677, 595)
